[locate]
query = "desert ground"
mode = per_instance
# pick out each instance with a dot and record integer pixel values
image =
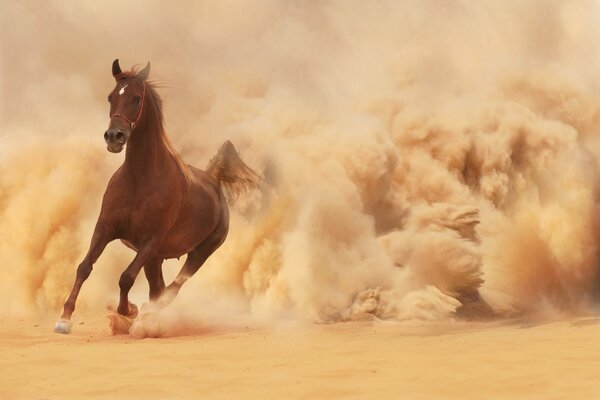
(515, 359)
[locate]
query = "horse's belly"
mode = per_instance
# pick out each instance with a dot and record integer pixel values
(168, 249)
(180, 242)
(129, 244)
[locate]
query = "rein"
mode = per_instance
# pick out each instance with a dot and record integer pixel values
(139, 114)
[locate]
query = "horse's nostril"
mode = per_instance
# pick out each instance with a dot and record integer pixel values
(106, 135)
(120, 136)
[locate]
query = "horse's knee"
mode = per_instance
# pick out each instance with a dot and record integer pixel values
(126, 281)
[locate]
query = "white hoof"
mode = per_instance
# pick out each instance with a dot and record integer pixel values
(63, 326)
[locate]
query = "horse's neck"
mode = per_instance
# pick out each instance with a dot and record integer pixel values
(147, 155)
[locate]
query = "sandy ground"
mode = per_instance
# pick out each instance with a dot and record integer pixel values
(365, 360)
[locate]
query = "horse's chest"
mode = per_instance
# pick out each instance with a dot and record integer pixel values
(148, 210)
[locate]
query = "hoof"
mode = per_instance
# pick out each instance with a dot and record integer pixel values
(119, 324)
(63, 326)
(133, 311)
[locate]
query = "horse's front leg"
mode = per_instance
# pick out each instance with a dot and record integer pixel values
(99, 241)
(128, 278)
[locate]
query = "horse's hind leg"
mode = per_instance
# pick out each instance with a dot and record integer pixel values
(195, 259)
(156, 282)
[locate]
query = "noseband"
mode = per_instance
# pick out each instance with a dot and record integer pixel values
(139, 114)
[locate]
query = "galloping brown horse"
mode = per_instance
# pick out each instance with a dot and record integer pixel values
(155, 203)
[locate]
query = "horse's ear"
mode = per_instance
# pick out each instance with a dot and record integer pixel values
(143, 75)
(116, 68)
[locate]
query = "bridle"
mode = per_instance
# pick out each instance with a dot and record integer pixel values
(139, 114)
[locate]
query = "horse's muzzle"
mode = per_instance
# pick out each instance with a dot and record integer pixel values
(115, 140)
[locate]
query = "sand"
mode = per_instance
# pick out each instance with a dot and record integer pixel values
(366, 360)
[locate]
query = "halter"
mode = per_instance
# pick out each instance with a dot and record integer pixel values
(139, 114)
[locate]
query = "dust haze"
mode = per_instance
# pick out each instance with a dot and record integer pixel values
(417, 152)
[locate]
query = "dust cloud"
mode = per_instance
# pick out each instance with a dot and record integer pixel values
(419, 154)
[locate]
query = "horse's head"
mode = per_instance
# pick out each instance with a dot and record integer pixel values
(126, 106)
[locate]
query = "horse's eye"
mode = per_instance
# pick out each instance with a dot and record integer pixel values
(137, 99)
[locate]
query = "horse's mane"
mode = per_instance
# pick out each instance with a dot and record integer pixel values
(152, 93)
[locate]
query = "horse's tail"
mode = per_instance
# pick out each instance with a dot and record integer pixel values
(234, 177)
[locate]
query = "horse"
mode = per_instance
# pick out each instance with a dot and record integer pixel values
(155, 203)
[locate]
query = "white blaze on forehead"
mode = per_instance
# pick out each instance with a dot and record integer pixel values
(122, 90)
